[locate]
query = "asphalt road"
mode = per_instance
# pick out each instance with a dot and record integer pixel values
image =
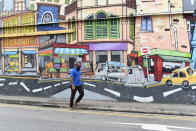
(29, 118)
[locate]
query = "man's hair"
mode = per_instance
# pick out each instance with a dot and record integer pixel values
(77, 63)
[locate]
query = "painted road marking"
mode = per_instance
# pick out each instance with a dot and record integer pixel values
(2, 79)
(165, 94)
(12, 83)
(127, 115)
(48, 87)
(64, 83)
(57, 84)
(143, 99)
(154, 127)
(24, 86)
(193, 87)
(19, 77)
(89, 84)
(37, 90)
(1, 85)
(112, 92)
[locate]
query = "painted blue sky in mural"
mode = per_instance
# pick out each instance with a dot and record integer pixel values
(8, 4)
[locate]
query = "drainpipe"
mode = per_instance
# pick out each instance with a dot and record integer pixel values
(172, 27)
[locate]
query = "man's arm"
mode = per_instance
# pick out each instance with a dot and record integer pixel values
(72, 80)
(72, 83)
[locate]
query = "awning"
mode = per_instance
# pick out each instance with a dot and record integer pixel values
(49, 28)
(70, 51)
(30, 52)
(175, 59)
(10, 53)
(46, 52)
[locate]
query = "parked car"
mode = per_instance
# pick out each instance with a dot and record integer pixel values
(184, 77)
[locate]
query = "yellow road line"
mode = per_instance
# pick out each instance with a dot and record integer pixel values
(115, 114)
(19, 77)
(158, 84)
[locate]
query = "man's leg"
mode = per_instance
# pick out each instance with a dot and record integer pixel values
(81, 92)
(73, 93)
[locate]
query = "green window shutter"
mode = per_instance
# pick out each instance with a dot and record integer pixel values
(132, 28)
(114, 28)
(74, 28)
(69, 35)
(89, 30)
(102, 29)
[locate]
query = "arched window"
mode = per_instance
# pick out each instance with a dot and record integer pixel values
(101, 26)
(89, 28)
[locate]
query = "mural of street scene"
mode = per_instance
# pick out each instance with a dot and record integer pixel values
(128, 51)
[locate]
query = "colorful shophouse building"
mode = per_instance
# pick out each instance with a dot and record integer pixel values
(19, 45)
(189, 8)
(160, 25)
(106, 26)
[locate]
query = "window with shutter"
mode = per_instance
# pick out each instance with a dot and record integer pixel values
(89, 30)
(132, 28)
(114, 28)
(101, 29)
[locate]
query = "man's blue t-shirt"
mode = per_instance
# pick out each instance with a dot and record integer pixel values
(76, 77)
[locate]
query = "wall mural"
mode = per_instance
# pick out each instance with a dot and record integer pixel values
(38, 52)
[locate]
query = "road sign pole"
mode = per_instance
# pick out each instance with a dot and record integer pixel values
(147, 68)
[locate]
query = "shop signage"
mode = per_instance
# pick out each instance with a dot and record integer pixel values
(145, 50)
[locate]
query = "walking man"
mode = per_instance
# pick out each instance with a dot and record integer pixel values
(76, 85)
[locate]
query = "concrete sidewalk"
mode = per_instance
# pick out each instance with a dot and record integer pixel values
(170, 109)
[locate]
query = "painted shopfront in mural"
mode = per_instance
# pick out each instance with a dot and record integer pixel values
(128, 51)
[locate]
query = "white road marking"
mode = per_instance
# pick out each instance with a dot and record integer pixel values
(165, 94)
(193, 87)
(154, 127)
(24, 86)
(1, 85)
(57, 84)
(143, 99)
(64, 83)
(2, 79)
(112, 92)
(12, 83)
(48, 87)
(89, 84)
(37, 90)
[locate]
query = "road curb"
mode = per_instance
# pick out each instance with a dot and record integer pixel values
(99, 107)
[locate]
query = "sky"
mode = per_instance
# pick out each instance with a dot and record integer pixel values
(8, 4)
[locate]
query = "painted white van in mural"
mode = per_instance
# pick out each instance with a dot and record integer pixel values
(135, 77)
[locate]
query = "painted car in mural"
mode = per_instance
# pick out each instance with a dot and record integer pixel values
(110, 71)
(185, 77)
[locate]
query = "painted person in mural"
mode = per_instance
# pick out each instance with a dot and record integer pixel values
(76, 85)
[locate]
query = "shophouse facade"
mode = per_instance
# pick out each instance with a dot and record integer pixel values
(160, 25)
(106, 26)
(19, 51)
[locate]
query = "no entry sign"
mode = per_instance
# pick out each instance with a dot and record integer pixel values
(145, 50)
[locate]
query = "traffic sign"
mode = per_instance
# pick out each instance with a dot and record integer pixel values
(145, 50)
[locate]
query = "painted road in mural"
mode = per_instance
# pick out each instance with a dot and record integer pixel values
(158, 93)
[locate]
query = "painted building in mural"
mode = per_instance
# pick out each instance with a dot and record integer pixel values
(100, 31)
(189, 9)
(104, 27)
(161, 28)
(20, 52)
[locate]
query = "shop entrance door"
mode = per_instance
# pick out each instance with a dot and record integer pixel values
(72, 62)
